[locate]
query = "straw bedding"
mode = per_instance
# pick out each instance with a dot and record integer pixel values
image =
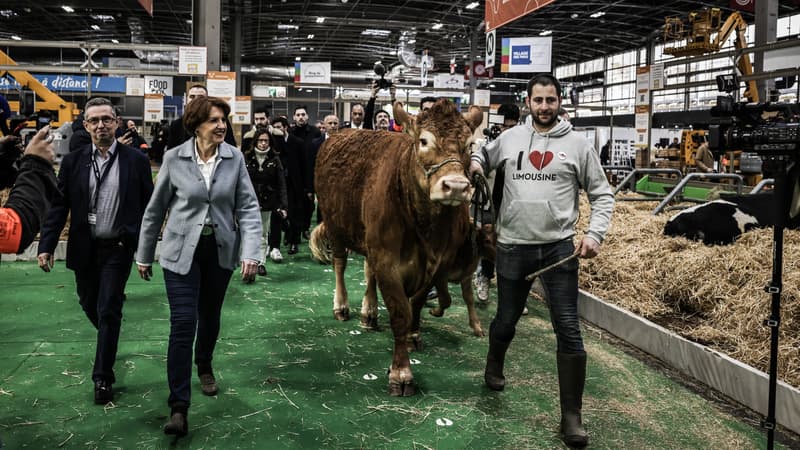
(711, 295)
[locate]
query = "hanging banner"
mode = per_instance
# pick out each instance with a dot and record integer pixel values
(70, 83)
(241, 110)
(449, 81)
(743, 5)
(312, 72)
(642, 86)
(530, 55)
(192, 60)
(222, 85)
(482, 97)
(158, 85)
(267, 91)
(478, 70)
(134, 87)
(658, 78)
(642, 125)
(153, 107)
(501, 12)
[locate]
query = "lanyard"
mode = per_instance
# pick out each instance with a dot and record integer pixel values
(100, 178)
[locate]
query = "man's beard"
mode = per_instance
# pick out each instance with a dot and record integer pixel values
(544, 124)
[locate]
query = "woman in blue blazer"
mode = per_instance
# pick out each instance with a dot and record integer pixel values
(213, 223)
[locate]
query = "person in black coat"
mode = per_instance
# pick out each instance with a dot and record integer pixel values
(293, 157)
(308, 133)
(105, 188)
(267, 175)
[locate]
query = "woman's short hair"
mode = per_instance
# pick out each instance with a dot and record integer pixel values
(257, 135)
(199, 110)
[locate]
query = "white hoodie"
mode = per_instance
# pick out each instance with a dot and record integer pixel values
(544, 173)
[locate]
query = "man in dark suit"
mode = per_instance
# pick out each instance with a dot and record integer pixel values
(291, 150)
(308, 133)
(105, 186)
(178, 134)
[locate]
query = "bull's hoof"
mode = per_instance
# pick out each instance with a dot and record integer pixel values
(342, 314)
(478, 331)
(404, 389)
(436, 312)
(370, 323)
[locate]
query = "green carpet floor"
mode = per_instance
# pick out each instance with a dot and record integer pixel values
(291, 376)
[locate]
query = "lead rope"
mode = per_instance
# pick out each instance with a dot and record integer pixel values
(482, 198)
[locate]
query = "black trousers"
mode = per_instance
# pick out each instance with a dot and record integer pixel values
(101, 289)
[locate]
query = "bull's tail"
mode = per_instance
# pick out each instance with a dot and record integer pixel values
(320, 245)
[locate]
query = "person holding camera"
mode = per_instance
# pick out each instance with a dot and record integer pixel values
(105, 188)
(547, 165)
(34, 188)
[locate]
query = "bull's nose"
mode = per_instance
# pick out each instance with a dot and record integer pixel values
(454, 187)
(452, 190)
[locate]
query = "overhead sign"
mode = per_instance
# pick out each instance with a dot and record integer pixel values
(192, 60)
(482, 97)
(71, 83)
(642, 124)
(491, 42)
(312, 72)
(658, 78)
(267, 91)
(451, 81)
(530, 55)
(222, 85)
(642, 86)
(158, 85)
(501, 12)
(134, 87)
(478, 70)
(153, 107)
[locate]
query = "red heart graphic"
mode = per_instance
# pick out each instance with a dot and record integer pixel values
(540, 160)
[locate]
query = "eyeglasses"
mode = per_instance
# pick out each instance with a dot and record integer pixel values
(263, 140)
(107, 120)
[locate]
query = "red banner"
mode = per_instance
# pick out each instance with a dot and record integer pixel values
(501, 12)
(743, 5)
(148, 6)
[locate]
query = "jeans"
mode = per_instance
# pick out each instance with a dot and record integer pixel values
(514, 263)
(101, 288)
(195, 304)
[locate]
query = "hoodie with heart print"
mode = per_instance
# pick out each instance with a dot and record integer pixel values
(544, 173)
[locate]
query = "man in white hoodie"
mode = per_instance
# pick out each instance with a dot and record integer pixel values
(546, 166)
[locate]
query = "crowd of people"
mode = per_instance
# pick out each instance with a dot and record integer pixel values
(246, 199)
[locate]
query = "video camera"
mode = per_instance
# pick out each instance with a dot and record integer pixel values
(492, 132)
(380, 71)
(742, 126)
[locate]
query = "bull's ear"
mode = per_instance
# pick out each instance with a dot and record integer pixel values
(401, 117)
(474, 118)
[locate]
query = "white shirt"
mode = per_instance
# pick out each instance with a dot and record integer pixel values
(207, 169)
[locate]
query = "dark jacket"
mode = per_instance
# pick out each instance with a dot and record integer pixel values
(135, 188)
(178, 134)
(293, 159)
(35, 188)
(268, 181)
(80, 137)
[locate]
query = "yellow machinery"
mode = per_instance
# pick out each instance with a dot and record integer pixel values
(704, 32)
(67, 111)
(690, 141)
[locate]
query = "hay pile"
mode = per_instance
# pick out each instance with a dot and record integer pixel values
(711, 295)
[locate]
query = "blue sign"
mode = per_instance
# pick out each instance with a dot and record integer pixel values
(71, 83)
(520, 54)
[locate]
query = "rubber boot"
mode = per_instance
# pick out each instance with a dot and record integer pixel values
(493, 375)
(571, 379)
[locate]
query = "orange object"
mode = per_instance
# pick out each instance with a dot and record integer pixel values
(10, 230)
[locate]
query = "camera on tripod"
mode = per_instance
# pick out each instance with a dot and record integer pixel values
(382, 82)
(743, 126)
(492, 132)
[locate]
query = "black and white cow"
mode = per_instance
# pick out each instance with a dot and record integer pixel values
(723, 221)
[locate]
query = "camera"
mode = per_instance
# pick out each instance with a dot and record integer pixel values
(492, 132)
(380, 71)
(743, 126)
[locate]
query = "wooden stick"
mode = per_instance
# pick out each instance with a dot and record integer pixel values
(532, 276)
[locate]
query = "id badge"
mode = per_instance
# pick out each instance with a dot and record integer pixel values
(92, 219)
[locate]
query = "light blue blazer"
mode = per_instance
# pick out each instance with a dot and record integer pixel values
(180, 190)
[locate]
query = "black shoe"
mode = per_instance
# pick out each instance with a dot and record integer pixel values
(178, 424)
(103, 392)
(293, 249)
(262, 271)
(208, 384)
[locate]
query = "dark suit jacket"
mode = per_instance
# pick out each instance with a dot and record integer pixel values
(135, 188)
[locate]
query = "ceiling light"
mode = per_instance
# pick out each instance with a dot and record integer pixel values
(320, 19)
(375, 32)
(412, 41)
(297, 58)
(437, 26)
(491, 85)
(115, 41)
(16, 38)
(68, 9)
(96, 27)
(473, 5)
(344, 1)
(302, 49)
(103, 17)
(283, 26)
(546, 33)
(310, 36)
(7, 13)
(573, 16)
(597, 14)
(597, 39)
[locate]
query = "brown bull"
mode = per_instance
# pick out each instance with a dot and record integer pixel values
(399, 199)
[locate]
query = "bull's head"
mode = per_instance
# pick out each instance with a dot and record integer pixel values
(443, 140)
